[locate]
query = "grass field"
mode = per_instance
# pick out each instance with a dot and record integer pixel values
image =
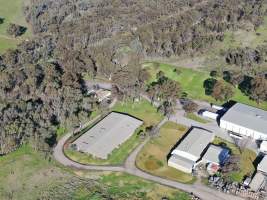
(153, 157)
(246, 160)
(196, 118)
(244, 38)
(142, 110)
(122, 185)
(24, 173)
(12, 12)
(192, 83)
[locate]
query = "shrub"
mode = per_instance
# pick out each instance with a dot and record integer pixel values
(16, 30)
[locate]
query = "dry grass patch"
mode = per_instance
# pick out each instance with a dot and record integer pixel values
(153, 157)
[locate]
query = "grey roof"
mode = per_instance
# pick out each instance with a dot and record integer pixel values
(195, 142)
(107, 135)
(257, 182)
(247, 116)
(186, 163)
(262, 166)
(216, 154)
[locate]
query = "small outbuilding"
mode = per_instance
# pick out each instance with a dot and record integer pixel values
(216, 155)
(190, 149)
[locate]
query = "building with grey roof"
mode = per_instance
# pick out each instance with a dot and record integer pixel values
(190, 149)
(246, 121)
(262, 166)
(216, 155)
(258, 182)
(107, 135)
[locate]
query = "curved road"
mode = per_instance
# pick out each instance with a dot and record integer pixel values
(129, 166)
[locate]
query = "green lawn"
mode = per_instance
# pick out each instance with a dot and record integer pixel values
(153, 157)
(196, 118)
(12, 12)
(247, 158)
(192, 83)
(7, 43)
(142, 110)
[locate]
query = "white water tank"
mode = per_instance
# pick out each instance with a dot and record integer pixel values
(217, 107)
(210, 115)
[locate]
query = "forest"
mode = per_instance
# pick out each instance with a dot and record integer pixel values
(42, 84)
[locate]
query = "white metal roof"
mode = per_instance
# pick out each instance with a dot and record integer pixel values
(195, 142)
(247, 116)
(262, 166)
(107, 135)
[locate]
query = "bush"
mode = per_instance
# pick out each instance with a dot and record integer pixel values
(213, 73)
(177, 71)
(209, 85)
(1, 20)
(190, 107)
(16, 30)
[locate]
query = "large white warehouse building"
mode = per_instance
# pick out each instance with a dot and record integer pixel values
(246, 121)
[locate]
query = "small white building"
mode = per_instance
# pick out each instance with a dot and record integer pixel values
(100, 94)
(190, 149)
(210, 115)
(246, 121)
(216, 155)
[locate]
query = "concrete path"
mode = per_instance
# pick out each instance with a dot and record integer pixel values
(129, 167)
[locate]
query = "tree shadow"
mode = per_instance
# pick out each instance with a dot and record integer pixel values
(2, 20)
(209, 85)
(245, 85)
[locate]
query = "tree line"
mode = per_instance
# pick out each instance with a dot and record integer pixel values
(42, 85)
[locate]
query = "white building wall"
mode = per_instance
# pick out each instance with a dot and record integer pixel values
(179, 167)
(210, 115)
(242, 130)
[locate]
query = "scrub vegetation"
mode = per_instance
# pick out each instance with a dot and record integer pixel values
(29, 175)
(245, 164)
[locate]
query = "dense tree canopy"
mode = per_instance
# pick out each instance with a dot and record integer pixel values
(42, 85)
